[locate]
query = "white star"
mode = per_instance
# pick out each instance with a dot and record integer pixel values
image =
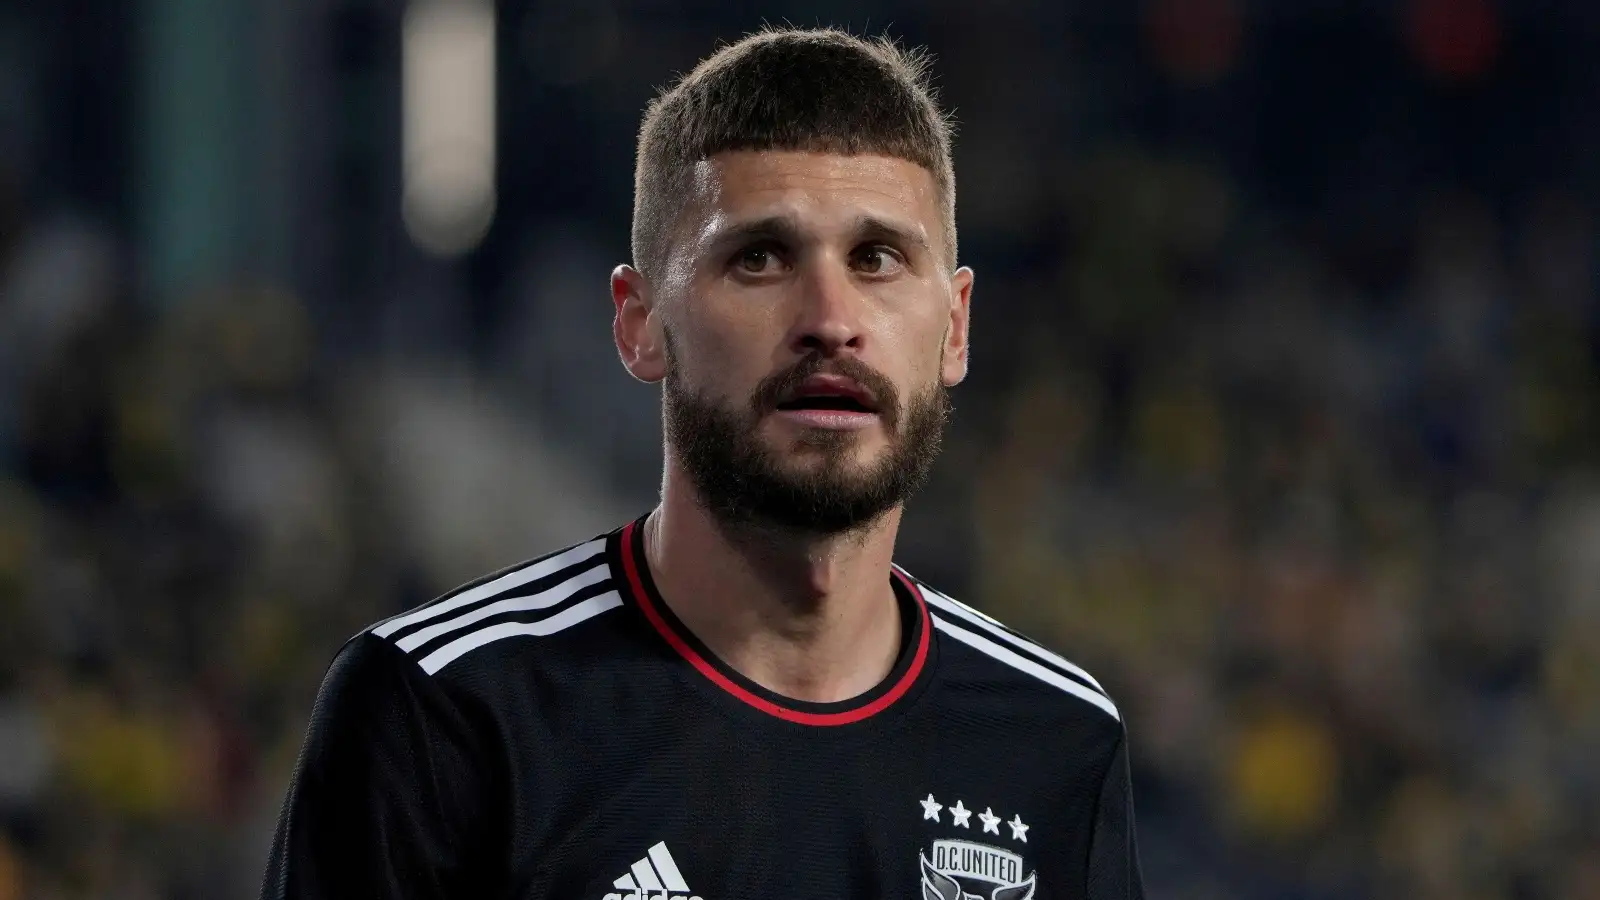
(1019, 831)
(960, 814)
(931, 807)
(991, 822)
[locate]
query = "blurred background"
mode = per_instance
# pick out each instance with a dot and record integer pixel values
(1283, 418)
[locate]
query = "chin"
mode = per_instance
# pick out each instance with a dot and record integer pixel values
(845, 474)
(845, 450)
(802, 437)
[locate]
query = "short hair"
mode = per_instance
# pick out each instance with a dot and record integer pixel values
(820, 90)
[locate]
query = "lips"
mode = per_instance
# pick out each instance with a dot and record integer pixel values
(830, 392)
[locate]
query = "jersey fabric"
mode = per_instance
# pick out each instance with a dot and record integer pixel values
(553, 732)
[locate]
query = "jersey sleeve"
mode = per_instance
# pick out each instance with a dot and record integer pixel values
(389, 798)
(1114, 848)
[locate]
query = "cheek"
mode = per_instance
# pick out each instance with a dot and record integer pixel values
(720, 361)
(739, 335)
(918, 344)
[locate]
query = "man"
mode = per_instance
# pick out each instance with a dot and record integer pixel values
(738, 696)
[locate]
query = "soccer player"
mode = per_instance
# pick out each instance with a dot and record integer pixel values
(738, 696)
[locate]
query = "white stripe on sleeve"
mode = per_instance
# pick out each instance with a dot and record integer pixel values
(1021, 663)
(957, 608)
(488, 589)
(572, 615)
(542, 600)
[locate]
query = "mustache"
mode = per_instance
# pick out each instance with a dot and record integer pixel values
(775, 387)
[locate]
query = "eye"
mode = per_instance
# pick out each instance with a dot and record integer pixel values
(760, 259)
(877, 259)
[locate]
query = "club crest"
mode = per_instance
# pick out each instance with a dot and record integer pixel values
(964, 870)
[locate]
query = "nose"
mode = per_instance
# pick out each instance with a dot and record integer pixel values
(830, 315)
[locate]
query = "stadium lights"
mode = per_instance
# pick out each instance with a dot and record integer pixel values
(448, 135)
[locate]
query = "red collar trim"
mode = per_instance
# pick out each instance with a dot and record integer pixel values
(630, 567)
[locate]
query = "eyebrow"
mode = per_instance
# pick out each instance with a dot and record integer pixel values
(894, 232)
(784, 228)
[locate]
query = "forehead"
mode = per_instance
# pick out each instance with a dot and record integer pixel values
(814, 188)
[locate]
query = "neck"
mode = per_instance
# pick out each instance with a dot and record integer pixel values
(810, 617)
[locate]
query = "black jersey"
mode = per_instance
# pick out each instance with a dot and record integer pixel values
(553, 732)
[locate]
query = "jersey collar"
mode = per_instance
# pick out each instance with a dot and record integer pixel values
(909, 665)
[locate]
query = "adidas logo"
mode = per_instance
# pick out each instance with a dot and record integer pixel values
(655, 877)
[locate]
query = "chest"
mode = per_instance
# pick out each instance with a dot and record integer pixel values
(705, 811)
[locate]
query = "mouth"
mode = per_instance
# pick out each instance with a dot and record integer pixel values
(830, 403)
(830, 394)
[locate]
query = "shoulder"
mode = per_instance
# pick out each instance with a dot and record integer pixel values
(1005, 652)
(540, 598)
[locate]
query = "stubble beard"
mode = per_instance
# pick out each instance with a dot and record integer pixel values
(744, 483)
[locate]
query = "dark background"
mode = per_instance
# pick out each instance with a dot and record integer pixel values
(1283, 415)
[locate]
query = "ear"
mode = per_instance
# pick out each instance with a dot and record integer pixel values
(637, 327)
(956, 335)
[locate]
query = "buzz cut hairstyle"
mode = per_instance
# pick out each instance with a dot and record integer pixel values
(816, 90)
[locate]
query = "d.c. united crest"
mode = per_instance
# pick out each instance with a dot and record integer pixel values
(963, 870)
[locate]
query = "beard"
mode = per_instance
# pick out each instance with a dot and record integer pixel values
(742, 482)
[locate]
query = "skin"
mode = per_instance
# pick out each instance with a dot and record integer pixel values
(779, 255)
